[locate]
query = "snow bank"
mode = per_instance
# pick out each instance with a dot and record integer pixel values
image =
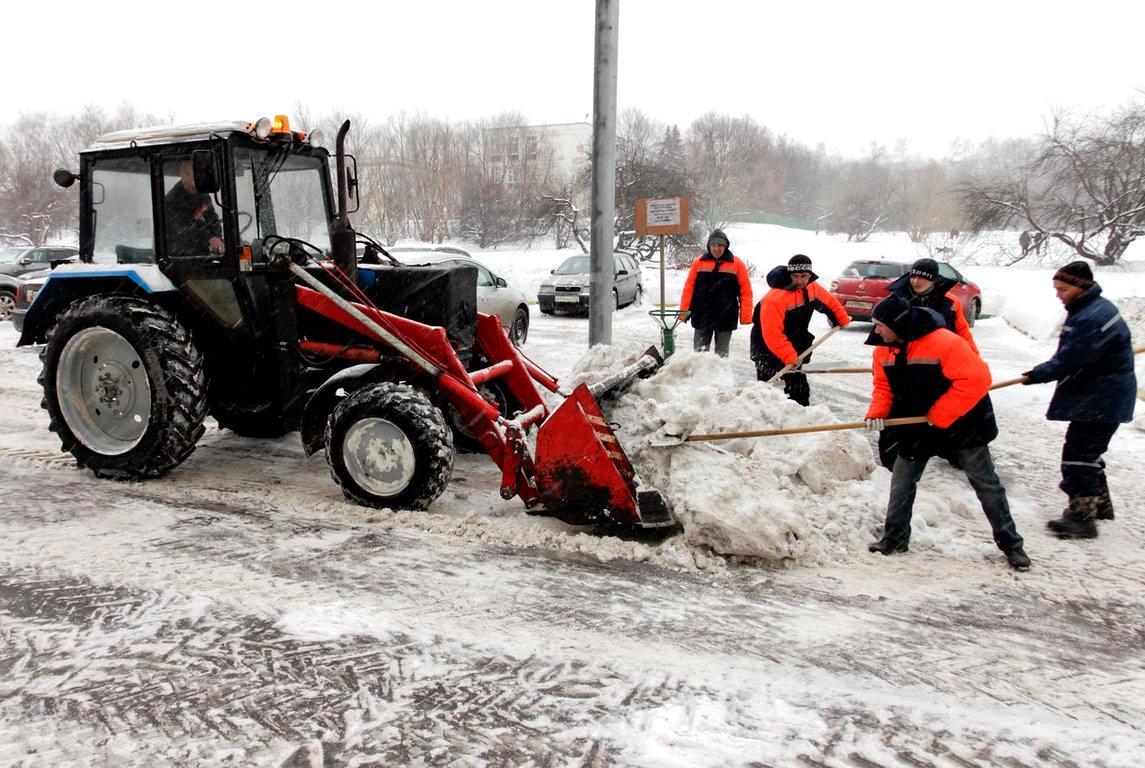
(801, 498)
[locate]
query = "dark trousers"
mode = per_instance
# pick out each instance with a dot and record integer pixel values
(1083, 471)
(979, 469)
(702, 340)
(795, 384)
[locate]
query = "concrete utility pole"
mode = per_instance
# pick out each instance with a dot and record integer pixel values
(603, 172)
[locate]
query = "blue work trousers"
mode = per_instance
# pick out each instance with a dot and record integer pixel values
(979, 469)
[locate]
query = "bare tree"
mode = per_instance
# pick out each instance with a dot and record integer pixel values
(862, 197)
(1084, 186)
(725, 157)
(32, 208)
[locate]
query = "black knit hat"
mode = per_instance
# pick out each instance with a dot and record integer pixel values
(927, 268)
(799, 263)
(893, 312)
(718, 236)
(1076, 273)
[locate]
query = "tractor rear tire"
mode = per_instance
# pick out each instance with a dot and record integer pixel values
(124, 387)
(388, 446)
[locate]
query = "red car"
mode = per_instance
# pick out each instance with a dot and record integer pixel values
(864, 283)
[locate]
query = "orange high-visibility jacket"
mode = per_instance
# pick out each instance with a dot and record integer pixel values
(717, 292)
(943, 377)
(785, 313)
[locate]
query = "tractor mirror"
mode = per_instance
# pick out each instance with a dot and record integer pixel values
(64, 177)
(352, 182)
(203, 166)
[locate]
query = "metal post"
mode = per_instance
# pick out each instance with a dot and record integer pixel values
(668, 333)
(661, 272)
(603, 172)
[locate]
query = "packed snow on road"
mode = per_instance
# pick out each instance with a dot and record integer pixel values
(240, 611)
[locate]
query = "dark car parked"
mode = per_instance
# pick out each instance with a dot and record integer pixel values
(567, 289)
(17, 262)
(863, 284)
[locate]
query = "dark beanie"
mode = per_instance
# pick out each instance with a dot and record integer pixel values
(799, 263)
(927, 268)
(1076, 273)
(718, 236)
(893, 312)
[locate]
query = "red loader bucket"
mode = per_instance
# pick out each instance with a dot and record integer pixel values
(582, 473)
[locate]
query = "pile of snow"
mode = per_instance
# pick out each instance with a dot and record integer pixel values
(806, 498)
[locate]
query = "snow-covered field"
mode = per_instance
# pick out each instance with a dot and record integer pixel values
(239, 611)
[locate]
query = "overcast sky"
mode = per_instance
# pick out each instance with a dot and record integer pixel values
(841, 73)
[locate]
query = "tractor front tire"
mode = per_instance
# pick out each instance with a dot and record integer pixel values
(388, 446)
(124, 387)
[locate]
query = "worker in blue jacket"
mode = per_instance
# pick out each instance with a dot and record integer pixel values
(1096, 388)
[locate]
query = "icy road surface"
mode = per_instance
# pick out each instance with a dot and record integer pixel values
(239, 612)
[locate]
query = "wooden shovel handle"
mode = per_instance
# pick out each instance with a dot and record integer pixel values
(836, 370)
(806, 352)
(802, 430)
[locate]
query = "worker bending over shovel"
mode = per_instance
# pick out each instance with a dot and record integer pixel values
(779, 334)
(920, 368)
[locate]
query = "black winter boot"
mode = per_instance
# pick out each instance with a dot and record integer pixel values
(1078, 522)
(886, 547)
(1104, 505)
(1018, 559)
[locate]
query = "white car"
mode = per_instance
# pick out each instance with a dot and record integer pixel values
(494, 294)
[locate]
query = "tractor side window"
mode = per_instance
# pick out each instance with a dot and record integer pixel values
(121, 210)
(194, 227)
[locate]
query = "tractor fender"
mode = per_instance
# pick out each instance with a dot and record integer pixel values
(71, 282)
(316, 413)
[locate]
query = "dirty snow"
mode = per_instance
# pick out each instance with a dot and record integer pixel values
(239, 610)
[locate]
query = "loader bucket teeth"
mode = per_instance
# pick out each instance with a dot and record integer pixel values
(583, 474)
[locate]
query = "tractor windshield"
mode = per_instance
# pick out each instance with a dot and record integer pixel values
(281, 193)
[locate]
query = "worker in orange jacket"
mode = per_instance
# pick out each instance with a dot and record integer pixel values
(923, 286)
(717, 295)
(779, 323)
(922, 369)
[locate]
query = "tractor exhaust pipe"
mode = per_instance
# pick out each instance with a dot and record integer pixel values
(343, 237)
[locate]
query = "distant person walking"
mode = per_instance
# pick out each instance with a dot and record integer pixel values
(779, 331)
(922, 369)
(1096, 390)
(923, 286)
(717, 295)
(1024, 242)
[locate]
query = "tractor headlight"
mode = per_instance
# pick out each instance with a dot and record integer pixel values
(263, 127)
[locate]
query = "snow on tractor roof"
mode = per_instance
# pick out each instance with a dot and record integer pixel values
(167, 134)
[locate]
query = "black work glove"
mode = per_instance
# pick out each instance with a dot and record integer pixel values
(1032, 377)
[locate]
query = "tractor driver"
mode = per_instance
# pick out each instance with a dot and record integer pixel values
(193, 225)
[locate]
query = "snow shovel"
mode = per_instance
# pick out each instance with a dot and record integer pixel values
(673, 440)
(808, 351)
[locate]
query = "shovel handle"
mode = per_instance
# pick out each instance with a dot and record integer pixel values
(836, 370)
(802, 430)
(787, 368)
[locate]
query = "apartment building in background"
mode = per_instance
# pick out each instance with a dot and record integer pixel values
(554, 152)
